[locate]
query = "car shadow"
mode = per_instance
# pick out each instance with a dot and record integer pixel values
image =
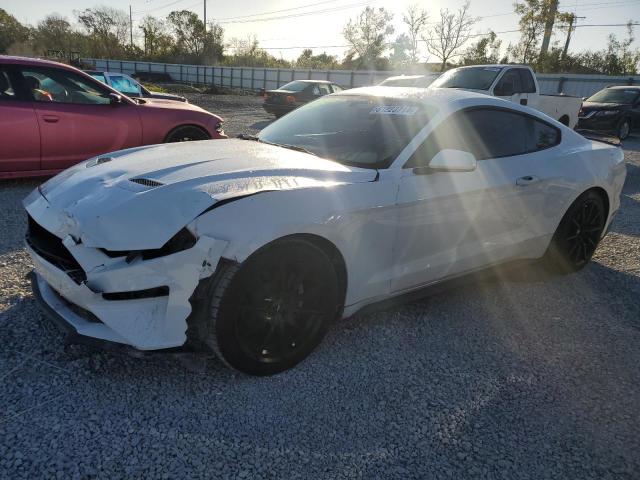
(261, 124)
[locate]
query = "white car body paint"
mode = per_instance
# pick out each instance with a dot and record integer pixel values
(395, 229)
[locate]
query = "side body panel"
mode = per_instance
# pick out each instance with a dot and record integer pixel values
(359, 219)
(20, 138)
(73, 132)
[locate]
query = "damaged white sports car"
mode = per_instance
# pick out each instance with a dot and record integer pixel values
(250, 247)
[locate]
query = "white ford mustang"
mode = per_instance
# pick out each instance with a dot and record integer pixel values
(250, 247)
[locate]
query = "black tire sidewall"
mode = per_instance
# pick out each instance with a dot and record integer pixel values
(556, 257)
(196, 132)
(622, 122)
(225, 324)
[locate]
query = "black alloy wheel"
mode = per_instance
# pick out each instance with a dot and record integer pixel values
(578, 234)
(276, 309)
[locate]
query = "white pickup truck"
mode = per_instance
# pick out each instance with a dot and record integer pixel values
(516, 83)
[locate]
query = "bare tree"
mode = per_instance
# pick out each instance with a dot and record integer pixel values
(415, 19)
(367, 35)
(450, 33)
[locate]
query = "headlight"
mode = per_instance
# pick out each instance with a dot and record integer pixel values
(183, 240)
(607, 113)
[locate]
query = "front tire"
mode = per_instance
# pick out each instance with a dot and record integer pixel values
(188, 133)
(578, 234)
(270, 313)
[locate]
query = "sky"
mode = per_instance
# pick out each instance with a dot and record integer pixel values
(319, 24)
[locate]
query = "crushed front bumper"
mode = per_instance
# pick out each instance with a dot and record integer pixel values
(143, 304)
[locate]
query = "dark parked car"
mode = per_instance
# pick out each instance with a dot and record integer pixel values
(296, 93)
(130, 86)
(612, 110)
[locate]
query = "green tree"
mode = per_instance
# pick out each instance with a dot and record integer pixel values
(322, 61)
(534, 16)
(11, 31)
(486, 50)
(107, 31)
(188, 31)
(367, 36)
(55, 33)
(158, 43)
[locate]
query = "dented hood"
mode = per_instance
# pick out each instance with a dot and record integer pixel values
(139, 198)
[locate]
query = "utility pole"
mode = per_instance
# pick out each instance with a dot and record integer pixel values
(569, 31)
(130, 26)
(548, 26)
(205, 17)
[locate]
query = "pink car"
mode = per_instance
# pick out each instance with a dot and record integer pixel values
(53, 116)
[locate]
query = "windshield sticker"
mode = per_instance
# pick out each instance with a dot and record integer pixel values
(492, 69)
(394, 110)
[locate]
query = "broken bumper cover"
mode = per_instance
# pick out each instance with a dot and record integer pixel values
(144, 304)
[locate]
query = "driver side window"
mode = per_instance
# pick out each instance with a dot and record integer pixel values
(510, 82)
(485, 133)
(60, 86)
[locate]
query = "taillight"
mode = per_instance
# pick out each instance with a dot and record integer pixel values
(290, 99)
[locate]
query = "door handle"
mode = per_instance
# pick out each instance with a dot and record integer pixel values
(523, 101)
(50, 118)
(528, 180)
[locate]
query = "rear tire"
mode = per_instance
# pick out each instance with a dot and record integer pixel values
(270, 313)
(187, 133)
(624, 129)
(578, 234)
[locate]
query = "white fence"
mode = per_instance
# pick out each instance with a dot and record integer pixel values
(249, 78)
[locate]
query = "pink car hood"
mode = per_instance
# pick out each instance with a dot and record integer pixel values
(139, 198)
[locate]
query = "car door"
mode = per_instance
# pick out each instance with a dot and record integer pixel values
(529, 91)
(20, 137)
(509, 87)
(76, 117)
(452, 222)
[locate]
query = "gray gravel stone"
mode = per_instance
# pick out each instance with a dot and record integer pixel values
(516, 376)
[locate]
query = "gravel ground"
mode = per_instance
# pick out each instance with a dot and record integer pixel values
(511, 376)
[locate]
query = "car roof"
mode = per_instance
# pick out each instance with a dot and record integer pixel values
(624, 87)
(311, 81)
(443, 99)
(411, 77)
(497, 65)
(33, 62)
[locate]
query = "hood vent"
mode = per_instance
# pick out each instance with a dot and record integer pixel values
(145, 182)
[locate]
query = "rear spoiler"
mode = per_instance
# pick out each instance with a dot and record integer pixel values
(600, 137)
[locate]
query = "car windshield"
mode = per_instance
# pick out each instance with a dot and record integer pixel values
(98, 76)
(615, 95)
(295, 86)
(359, 131)
(400, 82)
(124, 84)
(476, 78)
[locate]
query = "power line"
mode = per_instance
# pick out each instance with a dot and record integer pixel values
(424, 40)
(301, 14)
(160, 7)
(279, 11)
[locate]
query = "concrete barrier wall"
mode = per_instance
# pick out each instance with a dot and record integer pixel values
(249, 78)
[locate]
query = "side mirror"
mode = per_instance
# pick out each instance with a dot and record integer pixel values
(453, 161)
(115, 99)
